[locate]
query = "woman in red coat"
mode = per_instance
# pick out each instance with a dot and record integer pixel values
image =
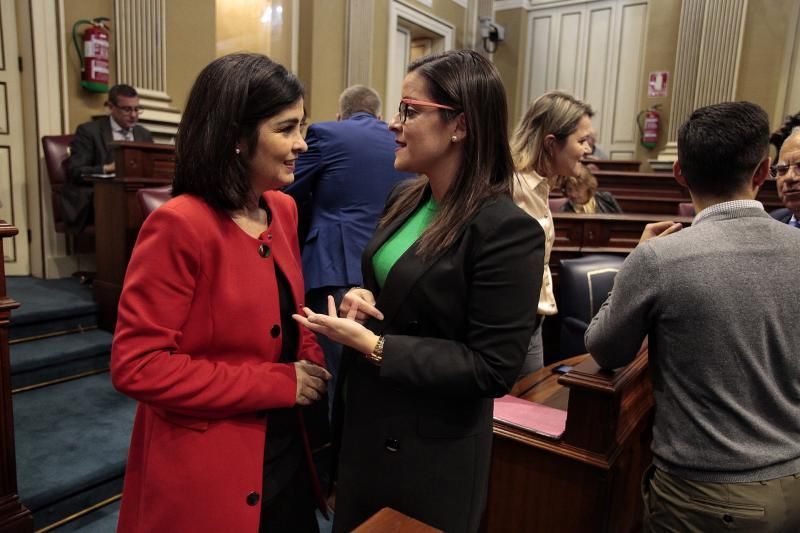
(205, 341)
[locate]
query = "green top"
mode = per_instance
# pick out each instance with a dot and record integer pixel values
(396, 245)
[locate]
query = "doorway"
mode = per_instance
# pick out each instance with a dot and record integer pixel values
(412, 34)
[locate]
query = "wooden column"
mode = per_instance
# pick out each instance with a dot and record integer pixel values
(14, 517)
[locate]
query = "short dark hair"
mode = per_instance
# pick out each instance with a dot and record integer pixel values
(121, 90)
(720, 145)
(359, 99)
(470, 84)
(780, 135)
(229, 99)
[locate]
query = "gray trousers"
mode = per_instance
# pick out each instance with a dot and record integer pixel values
(675, 504)
(534, 360)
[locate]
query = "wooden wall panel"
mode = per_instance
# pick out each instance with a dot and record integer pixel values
(629, 74)
(597, 62)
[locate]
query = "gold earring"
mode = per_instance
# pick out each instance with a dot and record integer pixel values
(453, 139)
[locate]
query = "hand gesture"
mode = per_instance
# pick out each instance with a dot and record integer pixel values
(659, 229)
(363, 301)
(310, 382)
(345, 330)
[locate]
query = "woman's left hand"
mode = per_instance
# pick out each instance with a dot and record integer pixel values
(342, 330)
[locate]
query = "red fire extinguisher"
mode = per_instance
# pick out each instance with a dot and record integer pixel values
(649, 127)
(93, 54)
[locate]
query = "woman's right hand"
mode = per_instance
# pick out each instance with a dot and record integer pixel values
(365, 302)
(311, 380)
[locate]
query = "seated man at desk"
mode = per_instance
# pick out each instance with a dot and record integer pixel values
(718, 302)
(90, 152)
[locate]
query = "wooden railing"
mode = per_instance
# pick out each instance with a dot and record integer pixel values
(14, 517)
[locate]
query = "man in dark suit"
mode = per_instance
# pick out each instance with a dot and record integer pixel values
(343, 180)
(788, 176)
(90, 152)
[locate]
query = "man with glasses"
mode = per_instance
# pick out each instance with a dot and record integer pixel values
(787, 173)
(90, 153)
(718, 303)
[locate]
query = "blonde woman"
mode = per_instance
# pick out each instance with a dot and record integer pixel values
(550, 141)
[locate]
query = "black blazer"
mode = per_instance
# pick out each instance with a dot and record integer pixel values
(89, 151)
(417, 431)
(782, 214)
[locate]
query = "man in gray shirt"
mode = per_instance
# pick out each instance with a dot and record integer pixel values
(718, 302)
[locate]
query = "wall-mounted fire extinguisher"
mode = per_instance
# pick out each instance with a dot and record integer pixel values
(93, 54)
(649, 127)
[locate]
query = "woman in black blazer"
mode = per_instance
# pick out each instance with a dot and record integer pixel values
(450, 276)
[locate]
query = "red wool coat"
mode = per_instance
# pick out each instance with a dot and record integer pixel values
(197, 340)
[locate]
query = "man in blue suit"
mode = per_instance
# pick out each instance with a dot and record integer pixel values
(343, 180)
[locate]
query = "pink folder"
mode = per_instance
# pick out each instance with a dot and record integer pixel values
(531, 417)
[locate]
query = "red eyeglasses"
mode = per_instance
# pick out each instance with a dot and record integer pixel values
(405, 102)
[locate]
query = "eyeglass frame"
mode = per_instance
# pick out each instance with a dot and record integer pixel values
(780, 170)
(129, 109)
(411, 101)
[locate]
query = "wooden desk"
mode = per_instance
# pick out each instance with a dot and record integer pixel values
(659, 193)
(14, 517)
(626, 165)
(579, 234)
(589, 479)
(118, 217)
(388, 520)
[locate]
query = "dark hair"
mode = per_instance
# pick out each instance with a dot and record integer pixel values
(720, 145)
(468, 82)
(359, 99)
(780, 135)
(229, 99)
(121, 90)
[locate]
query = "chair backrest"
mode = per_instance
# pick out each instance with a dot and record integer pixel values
(151, 198)
(56, 153)
(584, 284)
(556, 203)
(686, 209)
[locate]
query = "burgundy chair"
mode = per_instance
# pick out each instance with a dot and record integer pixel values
(686, 209)
(151, 198)
(556, 203)
(56, 153)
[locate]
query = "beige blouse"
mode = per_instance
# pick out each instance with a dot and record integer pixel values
(531, 192)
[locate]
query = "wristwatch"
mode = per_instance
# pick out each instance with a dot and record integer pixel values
(376, 357)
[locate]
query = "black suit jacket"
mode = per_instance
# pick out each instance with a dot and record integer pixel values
(782, 214)
(605, 202)
(417, 431)
(89, 151)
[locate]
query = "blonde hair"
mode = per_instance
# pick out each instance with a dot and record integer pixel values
(555, 113)
(585, 178)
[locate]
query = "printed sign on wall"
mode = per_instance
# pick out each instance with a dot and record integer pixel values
(657, 86)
